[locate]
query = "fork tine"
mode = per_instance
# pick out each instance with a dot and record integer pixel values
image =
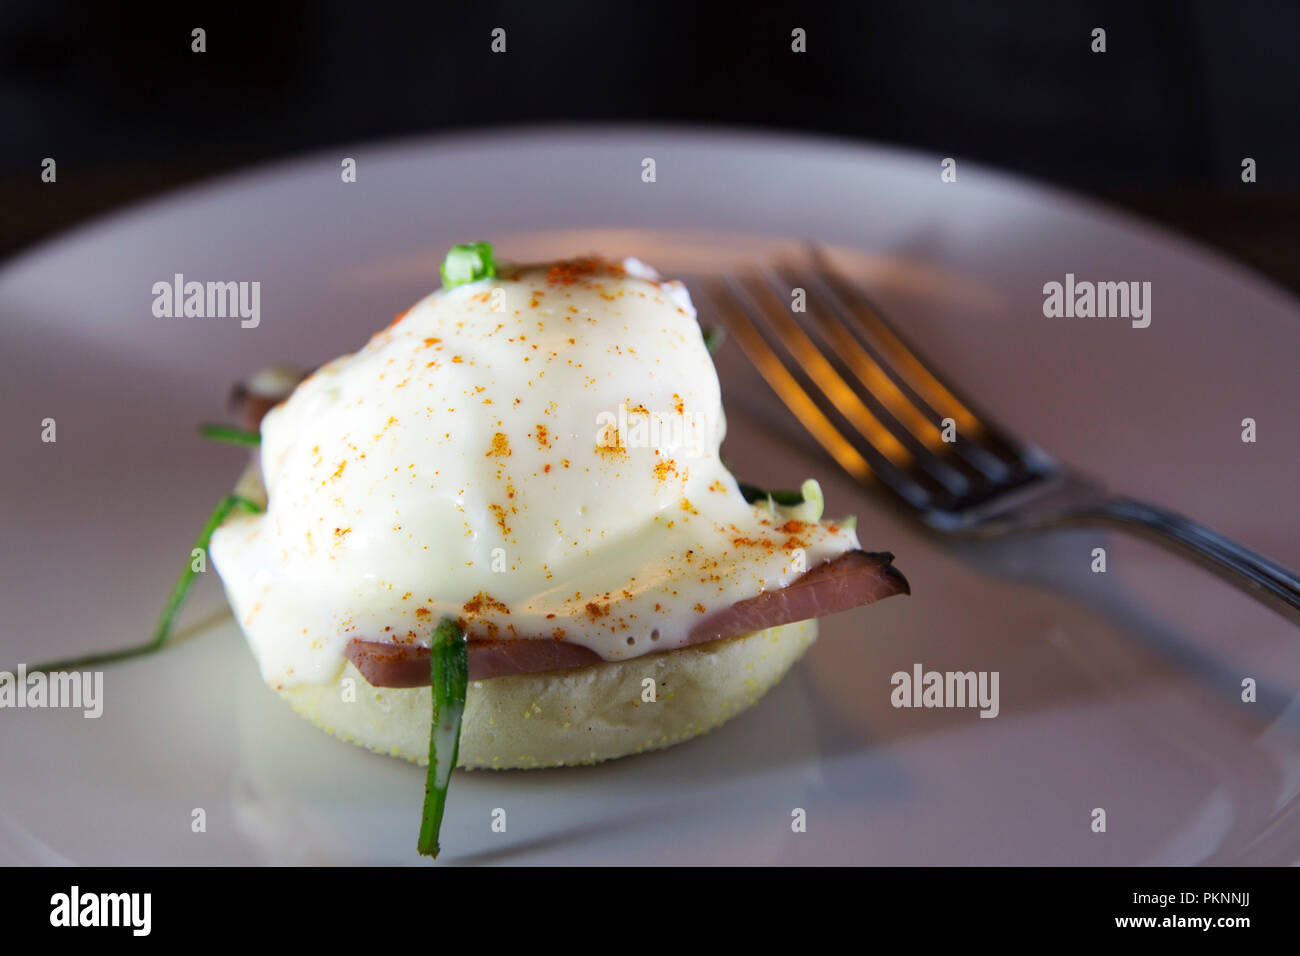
(913, 411)
(820, 371)
(869, 400)
(998, 455)
(821, 367)
(760, 354)
(868, 371)
(916, 373)
(864, 461)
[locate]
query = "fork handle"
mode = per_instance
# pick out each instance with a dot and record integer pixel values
(1263, 579)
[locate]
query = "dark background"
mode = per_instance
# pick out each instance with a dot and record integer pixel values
(1158, 124)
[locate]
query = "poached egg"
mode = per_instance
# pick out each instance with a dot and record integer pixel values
(535, 454)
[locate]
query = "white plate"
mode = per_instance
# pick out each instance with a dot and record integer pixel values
(1119, 691)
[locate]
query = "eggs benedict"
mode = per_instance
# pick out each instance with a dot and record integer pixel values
(501, 534)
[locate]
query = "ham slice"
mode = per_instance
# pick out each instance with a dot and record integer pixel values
(851, 580)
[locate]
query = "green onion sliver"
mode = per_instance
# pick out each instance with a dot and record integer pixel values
(714, 336)
(229, 436)
(224, 508)
(754, 493)
(468, 262)
(449, 672)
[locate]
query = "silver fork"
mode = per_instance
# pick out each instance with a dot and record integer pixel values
(882, 413)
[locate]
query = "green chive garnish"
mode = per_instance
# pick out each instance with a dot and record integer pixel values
(449, 666)
(230, 436)
(468, 262)
(754, 493)
(714, 336)
(219, 514)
